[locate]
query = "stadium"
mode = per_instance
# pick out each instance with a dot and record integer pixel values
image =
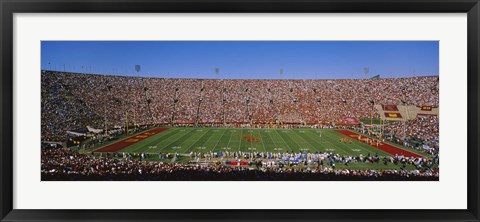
(112, 127)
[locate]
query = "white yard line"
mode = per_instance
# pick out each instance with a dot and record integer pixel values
(166, 135)
(198, 140)
(340, 145)
(263, 144)
(331, 144)
(229, 139)
(299, 147)
(126, 138)
(307, 141)
(217, 141)
(283, 139)
(273, 141)
(175, 140)
(251, 139)
(241, 137)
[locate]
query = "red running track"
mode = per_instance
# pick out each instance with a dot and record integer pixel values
(382, 146)
(117, 146)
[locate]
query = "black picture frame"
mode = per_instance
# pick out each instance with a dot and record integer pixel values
(9, 7)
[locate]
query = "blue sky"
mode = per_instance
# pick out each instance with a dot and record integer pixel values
(245, 59)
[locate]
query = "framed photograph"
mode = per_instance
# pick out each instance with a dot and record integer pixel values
(260, 110)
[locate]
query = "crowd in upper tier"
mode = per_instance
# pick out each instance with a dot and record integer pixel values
(71, 101)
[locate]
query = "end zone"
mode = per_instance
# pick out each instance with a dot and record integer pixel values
(117, 146)
(382, 146)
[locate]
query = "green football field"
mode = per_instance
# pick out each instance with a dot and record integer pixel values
(186, 140)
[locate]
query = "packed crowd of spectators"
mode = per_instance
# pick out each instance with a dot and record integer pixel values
(421, 133)
(62, 110)
(73, 100)
(318, 158)
(63, 164)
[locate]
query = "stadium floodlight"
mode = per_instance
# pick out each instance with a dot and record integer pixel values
(366, 70)
(217, 72)
(137, 68)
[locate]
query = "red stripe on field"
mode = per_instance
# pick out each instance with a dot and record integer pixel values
(383, 146)
(114, 147)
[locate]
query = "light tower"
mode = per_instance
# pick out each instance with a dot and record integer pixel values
(366, 70)
(144, 88)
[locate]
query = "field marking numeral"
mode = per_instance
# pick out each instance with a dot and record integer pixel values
(201, 148)
(252, 148)
(176, 147)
